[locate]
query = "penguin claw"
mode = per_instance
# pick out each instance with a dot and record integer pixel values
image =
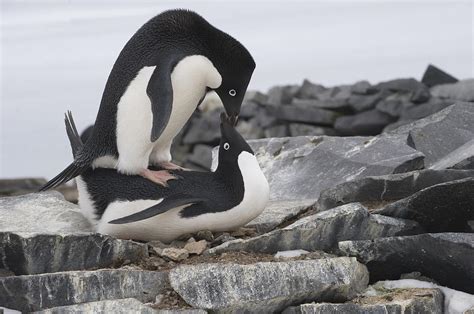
(171, 166)
(160, 177)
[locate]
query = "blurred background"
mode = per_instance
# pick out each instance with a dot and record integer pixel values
(56, 55)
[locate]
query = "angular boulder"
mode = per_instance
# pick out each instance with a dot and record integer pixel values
(445, 207)
(39, 292)
(305, 114)
(269, 286)
(301, 167)
(461, 158)
(323, 231)
(46, 212)
(386, 188)
(435, 76)
(31, 253)
(444, 257)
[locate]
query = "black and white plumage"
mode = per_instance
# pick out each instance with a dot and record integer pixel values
(222, 200)
(160, 77)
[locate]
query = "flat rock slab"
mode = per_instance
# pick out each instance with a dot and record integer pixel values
(402, 301)
(278, 212)
(46, 212)
(323, 231)
(39, 292)
(444, 257)
(386, 188)
(301, 167)
(461, 158)
(122, 306)
(441, 133)
(445, 207)
(270, 286)
(29, 253)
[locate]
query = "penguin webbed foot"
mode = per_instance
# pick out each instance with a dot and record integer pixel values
(168, 165)
(160, 177)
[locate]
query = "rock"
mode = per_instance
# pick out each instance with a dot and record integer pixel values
(281, 94)
(299, 129)
(276, 131)
(27, 253)
(244, 232)
(402, 85)
(174, 254)
(196, 247)
(362, 88)
(45, 212)
(395, 104)
(277, 212)
(309, 90)
(38, 292)
(421, 111)
(323, 231)
(441, 133)
(201, 156)
(445, 207)
(386, 188)
(336, 92)
(462, 90)
(122, 306)
(393, 126)
(225, 237)
(10, 187)
(269, 286)
(256, 97)
(434, 76)
(290, 254)
(205, 235)
(250, 110)
(204, 129)
(305, 114)
(445, 257)
(406, 301)
(361, 103)
(370, 122)
(420, 96)
(301, 167)
(460, 158)
(249, 129)
(331, 103)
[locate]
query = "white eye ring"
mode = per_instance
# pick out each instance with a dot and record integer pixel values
(232, 92)
(226, 146)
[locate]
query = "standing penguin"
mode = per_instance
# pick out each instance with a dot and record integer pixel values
(160, 77)
(132, 207)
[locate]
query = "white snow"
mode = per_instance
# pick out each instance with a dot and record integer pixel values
(290, 253)
(56, 55)
(454, 301)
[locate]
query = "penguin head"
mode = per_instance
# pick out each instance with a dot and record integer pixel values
(232, 144)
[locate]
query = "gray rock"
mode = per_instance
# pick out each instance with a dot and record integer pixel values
(395, 104)
(250, 110)
(201, 156)
(469, 311)
(249, 129)
(204, 129)
(39, 292)
(393, 126)
(305, 114)
(441, 133)
(281, 94)
(386, 188)
(460, 158)
(20, 186)
(122, 306)
(331, 103)
(362, 88)
(256, 97)
(27, 253)
(462, 90)
(336, 92)
(268, 286)
(434, 76)
(445, 207)
(299, 129)
(423, 110)
(301, 167)
(361, 103)
(323, 231)
(370, 122)
(402, 301)
(402, 85)
(420, 96)
(276, 131)
(310, 90)
(45, 212)
(444, 257)
(277, 212)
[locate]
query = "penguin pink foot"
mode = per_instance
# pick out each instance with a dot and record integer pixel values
(168, 165)
(160, 177)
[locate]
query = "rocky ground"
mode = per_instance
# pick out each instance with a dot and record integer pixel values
(381, 222)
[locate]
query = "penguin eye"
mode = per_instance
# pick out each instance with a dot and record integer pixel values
(226, 146)
(232, 92)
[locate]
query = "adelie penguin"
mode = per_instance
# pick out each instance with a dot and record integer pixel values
(132, 207)
(160, 77)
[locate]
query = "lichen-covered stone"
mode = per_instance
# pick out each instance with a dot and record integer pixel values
(270, 286)
(121, 306)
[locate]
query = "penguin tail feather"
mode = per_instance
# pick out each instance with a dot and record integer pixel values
(75, 168)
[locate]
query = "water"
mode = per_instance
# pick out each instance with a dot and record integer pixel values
(56, 55)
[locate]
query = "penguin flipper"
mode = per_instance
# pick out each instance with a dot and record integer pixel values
(160, 92)
(168, 203)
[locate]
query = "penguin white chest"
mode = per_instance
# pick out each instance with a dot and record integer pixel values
(189, 80)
